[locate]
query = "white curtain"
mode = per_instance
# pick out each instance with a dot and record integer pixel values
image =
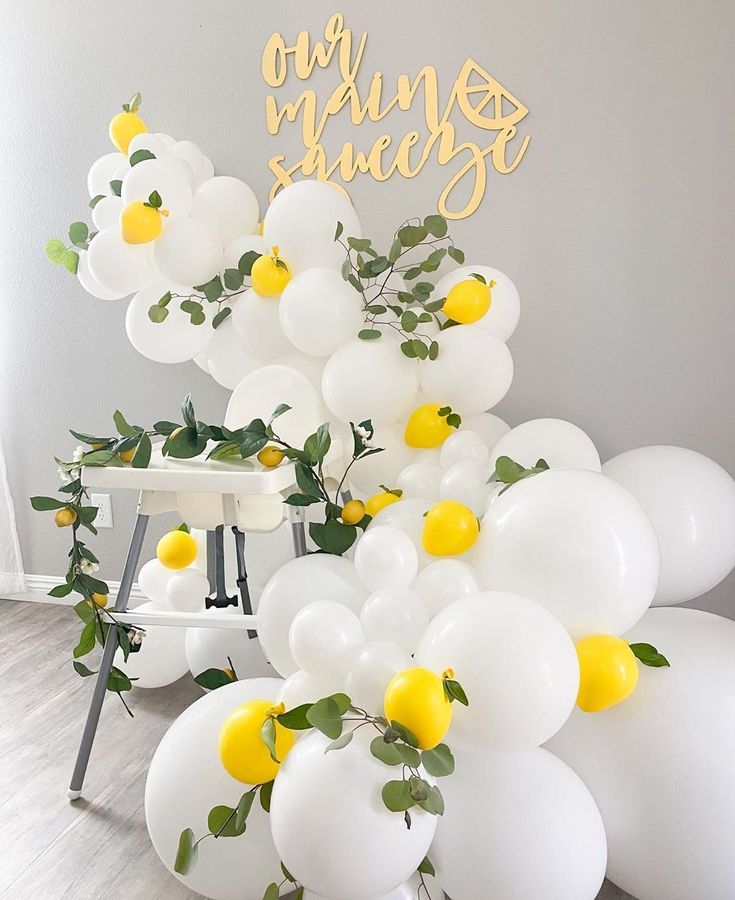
(12, 580)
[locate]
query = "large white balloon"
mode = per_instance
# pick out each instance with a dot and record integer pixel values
(505, 309)
(519, 826)
(185, 780)
(420, 479)
(295, 585)
(386, 557)
(189, 252)
(257, 325)
(444, 581)
(228, 362)
(381, 468)
(516, 663)
(576, 542)
(90, 283)
(320, 635)
(691, 500)
(560, 443)
(320, 311)
(214, 648)
(490, 427)
(311, 366)
(102, 172)
(302, 222)
(660, 765)
(395, 614)
(187, 589)
(409, 890)
(174, 340)
(473, 371)
(118, 266)
(228, 205)
(155, 175)
(260, 392)
(467, 482)
(368, 669)
(370, 380)
(372, 850)
(161, 659)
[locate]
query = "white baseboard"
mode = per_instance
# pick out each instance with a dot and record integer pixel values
(38, 586)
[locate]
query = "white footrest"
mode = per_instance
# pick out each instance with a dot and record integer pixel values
(233, 621)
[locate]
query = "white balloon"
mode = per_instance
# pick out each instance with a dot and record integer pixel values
(153, 580)
(320, 311)
(206, 171)
(370, 380)
(295, 585)
(260, 392)
(155, 175)
(691, 500)
(190, 153)
(161, 659)
(246, 242)
(381, 468)
(106, 213)
(473, 371)
(368, 669)
(490, 427)
(228, 362)
(395, 614)
(213, 648)
(444, 581)
(228, 205)
(321, 633)
(577, 543)
(102, 172)
(147, 141)
(420, 480)
(505, 307)
(185, 780)
(560, 443)
(187, 589)
(464, 446)
(90, 283)
(467, 482)
(519, 826)
(409, 890)
(311, 366)
(258, 326)
(302, 221)
(516, 663)
(408, 517)
(306, 687)
(372, 850)
(189, 252)
(660, 765)
(166, 139)
(178, 166)
(386, 557)
(117, 265)
(174, 340)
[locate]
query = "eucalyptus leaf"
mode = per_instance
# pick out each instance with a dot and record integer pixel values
(186, 854)
(438, 761)
(397, 796)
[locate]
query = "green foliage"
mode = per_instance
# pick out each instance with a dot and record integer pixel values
(454, 691)
(648, 655)
(58, 253)
(508, 471)
(140, 156)
(186, 855)
(211, 679)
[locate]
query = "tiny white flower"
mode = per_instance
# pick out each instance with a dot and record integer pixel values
(75, 473)
(362, 432)
(64, 476)
(88, 567)
(368, 445)
(78, 453)
(135, 636)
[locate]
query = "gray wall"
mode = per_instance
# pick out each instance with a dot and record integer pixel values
(616, 227)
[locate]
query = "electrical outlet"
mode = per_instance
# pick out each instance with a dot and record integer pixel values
(104, 510)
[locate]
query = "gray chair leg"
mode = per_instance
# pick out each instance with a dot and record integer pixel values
(108, 656)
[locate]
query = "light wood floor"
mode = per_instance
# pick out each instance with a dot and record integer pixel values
(97, 847)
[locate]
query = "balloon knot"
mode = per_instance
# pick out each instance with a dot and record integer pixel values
(448, 673)
(276, 710)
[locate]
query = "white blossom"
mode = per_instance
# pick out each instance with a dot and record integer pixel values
(64, 476)
(88, 567)
(78, 453)
(362, 432)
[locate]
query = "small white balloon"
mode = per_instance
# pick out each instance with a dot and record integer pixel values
(368, 669)
(155, 175)
(187, 590)
(464, 445)
(189, 252)
(381, 468)
(307, 687)
(320, 311)
(395, 614)
(505, 307)
(561, 444)
(153, 143)
(153, 580)
(408, 517)
(228, 362)
(161, 659)
(106, 213)
(467, 482)
(102, 172)
(420, 480)
(370, 380)
(179, 166)
(214, 648)
(258, 325)
(386, 557)
(241, 245)
(190, 153)
(166, 139)
(206, 171)
(90, 283)
(174, 340)
(473, 371)
(490, 427)
(228, 205)
(311, 366)
(117, 265)
(321, 633)
(444, 581)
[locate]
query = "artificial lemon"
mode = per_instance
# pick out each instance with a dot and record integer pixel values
(417, 700)
(98, 600)
(353, 512)
(468, 301)
(450, 528)
(141, 223)
(124, 127)
(243, 751)
(176, 550)
(374, 504)
(426, 428)
(270, 456)
(608, 672)
(64, 517)
(127, 455)
(270, 274)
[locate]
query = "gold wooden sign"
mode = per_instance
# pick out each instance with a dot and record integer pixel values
(476, 97)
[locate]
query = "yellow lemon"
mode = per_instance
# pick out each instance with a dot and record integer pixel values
(270, 456)
(270, 274)
(141, 223)
(124, 127)
(176, 550)
(64, 517)
(468, 301)
(608, 672)
(353, 512)
(417, 700)
(374, 504)
(127, 455)
(426, 428)
(450, 528)
(98, 600)
(243, 751)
